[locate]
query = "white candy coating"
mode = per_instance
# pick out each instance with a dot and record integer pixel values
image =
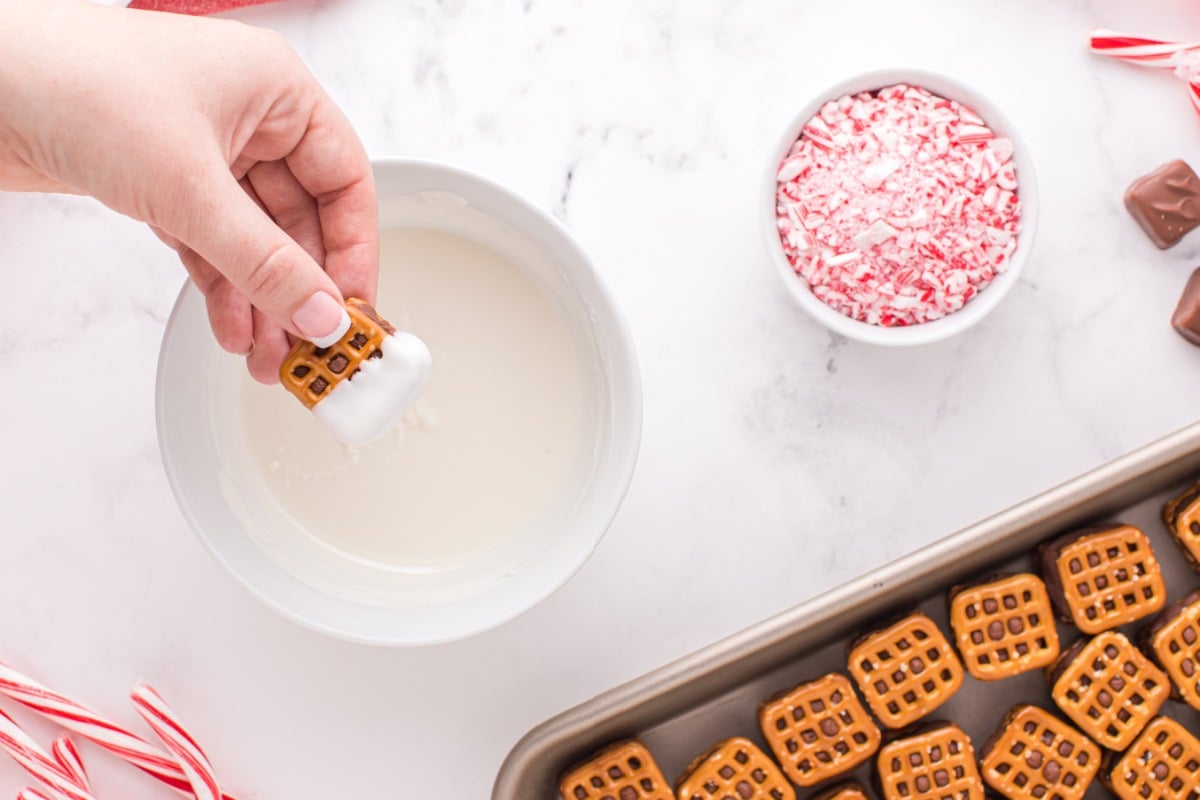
(362, 409)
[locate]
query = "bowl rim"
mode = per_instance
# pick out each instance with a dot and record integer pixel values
(975, 309)
(626, 409)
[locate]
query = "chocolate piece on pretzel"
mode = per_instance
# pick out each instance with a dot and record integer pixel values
(1103, 577)
(310, 373)
(844, 791)
(1108, 688)
(1166, 203)
(905, 670)
(1173, 641)
(932, 762)
(818, 730)
(1163, 764)
(1182, 517)
(1036, 756)
(1004, 626)
(622, 771)
(734, 768)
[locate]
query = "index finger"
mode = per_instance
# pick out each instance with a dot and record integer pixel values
(330, 163)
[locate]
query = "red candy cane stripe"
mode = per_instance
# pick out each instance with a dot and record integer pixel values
(95, 728)
(67, 756)
(1182, 58)
(167, 726)
(1148, 52)
(37, 762)
(30, 793)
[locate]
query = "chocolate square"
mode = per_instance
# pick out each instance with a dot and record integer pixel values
(1166, 203)
(1186, 319)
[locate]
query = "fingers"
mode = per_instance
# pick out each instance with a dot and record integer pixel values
(271, 346)
(228, 310)
(329, 162)
(289, 204)
(226, 228)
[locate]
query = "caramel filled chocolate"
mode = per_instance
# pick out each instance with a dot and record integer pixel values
(1166, 203)
(1186, 319)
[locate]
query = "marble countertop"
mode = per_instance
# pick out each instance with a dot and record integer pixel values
(775, 456)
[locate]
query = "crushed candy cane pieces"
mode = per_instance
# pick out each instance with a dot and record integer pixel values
(898, 206)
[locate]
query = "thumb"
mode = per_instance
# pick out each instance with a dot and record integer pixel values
(228, 229)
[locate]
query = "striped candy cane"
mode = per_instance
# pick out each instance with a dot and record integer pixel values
(30, 793)
(37, 762)
(1182, 59)
(67, 756)
(78, 719)
(179, 742)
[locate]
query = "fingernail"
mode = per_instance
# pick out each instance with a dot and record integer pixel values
(321, 320)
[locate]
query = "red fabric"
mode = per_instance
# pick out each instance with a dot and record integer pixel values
(194, 6)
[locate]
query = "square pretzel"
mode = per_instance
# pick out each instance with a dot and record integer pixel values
(1036, 756)
(1104, 578)
(905, 670)
(622, 771)
(1004, 626)
(734, 768)
(1173, 640)
(1108, 688)
(1163, 764)
(310, 373)
(1182, 517)
(935, 764)
(844, 791)
(818, 730)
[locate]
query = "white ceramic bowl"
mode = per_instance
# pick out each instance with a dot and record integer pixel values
(191, 449)
(975, 309)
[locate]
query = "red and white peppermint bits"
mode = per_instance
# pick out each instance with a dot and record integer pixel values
(898, 206)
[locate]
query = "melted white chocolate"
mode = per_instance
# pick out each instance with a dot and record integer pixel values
(363, 408)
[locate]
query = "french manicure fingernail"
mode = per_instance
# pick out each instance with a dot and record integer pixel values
(322, 319)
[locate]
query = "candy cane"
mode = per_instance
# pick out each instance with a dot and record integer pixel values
(1183, 59)
(67, 756)
(37, 762)
(30, 793)
(113, 738)
(166, 725)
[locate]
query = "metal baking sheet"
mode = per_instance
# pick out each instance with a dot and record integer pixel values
(684, 707)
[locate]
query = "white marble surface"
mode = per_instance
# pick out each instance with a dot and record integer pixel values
(775, 457)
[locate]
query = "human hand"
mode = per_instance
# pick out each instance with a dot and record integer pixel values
(216, 135)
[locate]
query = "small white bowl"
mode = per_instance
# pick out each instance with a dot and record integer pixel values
(975, 309)
(190, 363)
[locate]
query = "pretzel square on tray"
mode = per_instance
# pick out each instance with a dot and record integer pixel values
(818, 730)
(844, 791)
(934, 762)
(905, 670)
(1182, 517)
(1108, 688)
(1173, 641)
(1163, 764)
(734, 768)
(1036, 756)
(1101, 578)
(622, 771)
(1004, 626)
